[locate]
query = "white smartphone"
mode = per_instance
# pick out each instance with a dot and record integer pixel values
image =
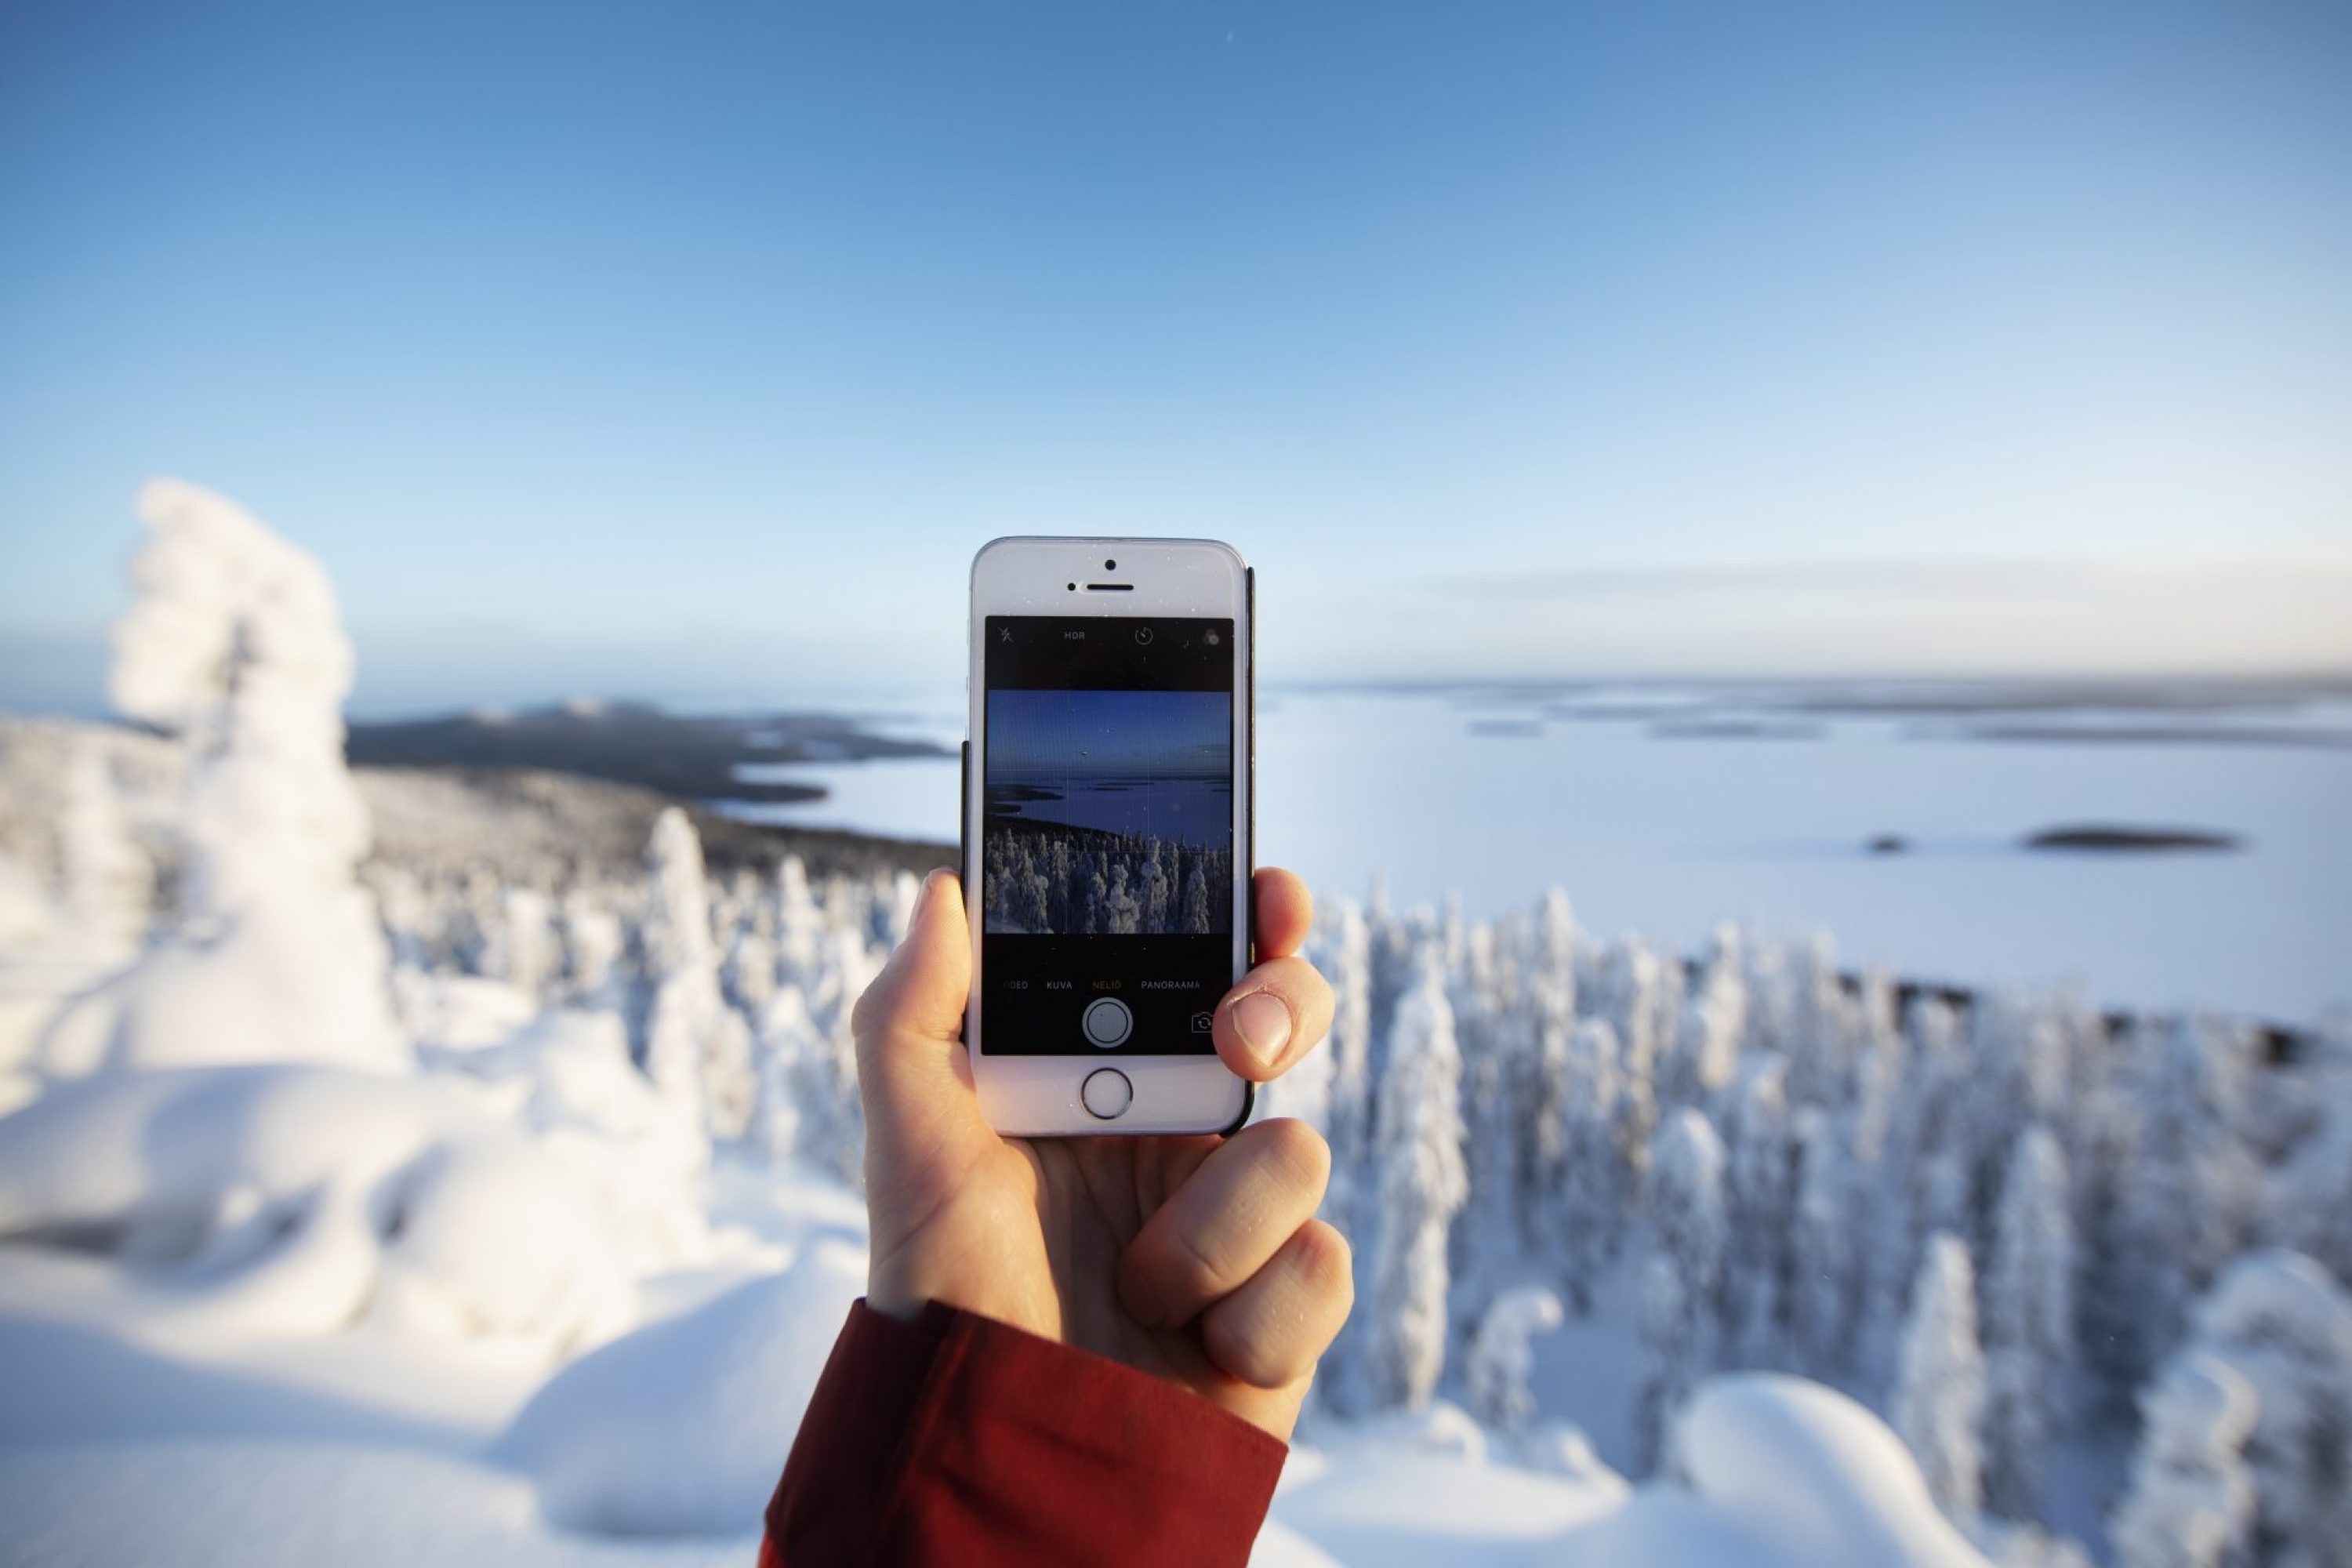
(1106, 832)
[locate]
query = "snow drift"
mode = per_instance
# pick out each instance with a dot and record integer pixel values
(301, 1200)
(682, 1429)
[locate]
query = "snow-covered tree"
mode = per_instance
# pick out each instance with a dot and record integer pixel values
(697, 1049)
(2030, 1347)
(594, 944)
(233, 643)
(1882, 1060)
(2193, 1190)
(799, 924)
(2304, 1202)
(2278, 1320)
(1551, 1004)
(832, 1122)
(2191, 1498)
(1348, 960)
(1760, 1186)
(1589, 1183)
(1642, 999)
(1939, 1392)
(534, 955)
(1680, 1320)
(1824, 1272)
(1801, 1011)
(1487, 1239)
(1500, 1371)
(1714, 1024)
(1914, 1188)
(788, 1044)
(1422, 1184)
(107, 882)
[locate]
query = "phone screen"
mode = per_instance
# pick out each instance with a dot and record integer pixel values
(1107, 836)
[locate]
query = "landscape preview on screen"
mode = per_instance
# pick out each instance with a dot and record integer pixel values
(1107, 848)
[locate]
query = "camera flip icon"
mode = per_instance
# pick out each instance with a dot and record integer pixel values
(1203, 1022)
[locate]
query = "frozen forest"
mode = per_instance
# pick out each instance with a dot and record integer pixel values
(381, 1211)
(1052, 881)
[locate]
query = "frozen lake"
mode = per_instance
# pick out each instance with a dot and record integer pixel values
(1666, 812)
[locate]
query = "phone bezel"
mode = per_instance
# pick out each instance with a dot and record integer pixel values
(1037, 1096)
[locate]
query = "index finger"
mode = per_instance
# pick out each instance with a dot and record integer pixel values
(1285, 909)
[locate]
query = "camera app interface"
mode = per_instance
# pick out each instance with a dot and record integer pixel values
(1107, 845)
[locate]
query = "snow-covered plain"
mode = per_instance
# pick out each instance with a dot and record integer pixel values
(1666, 811)
(521, 1232)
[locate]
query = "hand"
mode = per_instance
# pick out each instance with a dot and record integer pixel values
(1197, 1259)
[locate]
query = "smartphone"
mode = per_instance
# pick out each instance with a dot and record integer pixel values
(1106, 832)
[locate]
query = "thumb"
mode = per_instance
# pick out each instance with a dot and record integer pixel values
(912, 1073)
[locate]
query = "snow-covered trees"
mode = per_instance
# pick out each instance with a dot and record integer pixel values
(1422, 1182)
(695, 1048)
(1502, 1356)
(2193, 1189)
(1938, 1404)
(1079, 882)
(2191, 1499)
(2028, 1323)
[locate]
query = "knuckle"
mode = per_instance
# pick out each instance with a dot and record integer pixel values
(1187, 1270)
(1237, 1341)
(1297, 1152)
(1326, 1259)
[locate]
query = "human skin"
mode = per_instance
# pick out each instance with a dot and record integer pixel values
(1198, 1259)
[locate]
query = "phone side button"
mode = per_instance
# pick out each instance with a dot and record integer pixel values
(1106, 1094)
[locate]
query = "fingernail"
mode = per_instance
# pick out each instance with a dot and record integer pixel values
(1263, 1021)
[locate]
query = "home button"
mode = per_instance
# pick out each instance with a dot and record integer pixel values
(1106, 1094)
(1106, 1021)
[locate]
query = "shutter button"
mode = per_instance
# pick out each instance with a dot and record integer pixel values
(1106, 1021)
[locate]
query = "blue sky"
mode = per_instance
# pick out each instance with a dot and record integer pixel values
(691, 351)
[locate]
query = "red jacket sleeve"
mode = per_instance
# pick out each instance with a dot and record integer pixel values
(957, 1439)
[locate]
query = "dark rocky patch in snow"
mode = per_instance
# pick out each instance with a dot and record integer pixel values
(2111, 838)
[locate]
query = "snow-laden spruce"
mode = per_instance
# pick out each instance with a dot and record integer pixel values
(1681, 1320)
(1417, 1141)
(2191, 1502)
(1939, 1394)
(234, 645)
(697, 1049)
(2028, 1323)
